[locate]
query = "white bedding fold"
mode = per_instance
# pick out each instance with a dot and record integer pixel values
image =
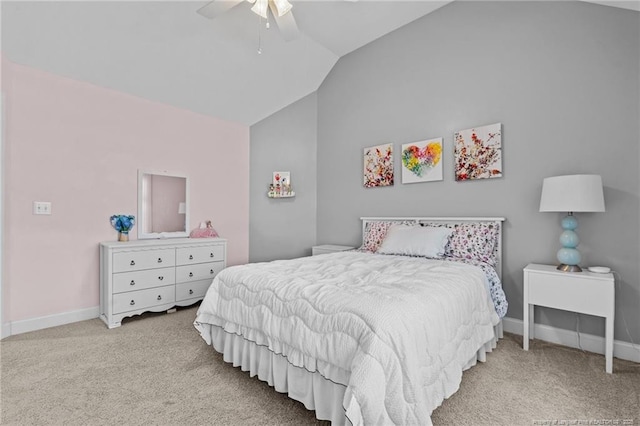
(339, 314)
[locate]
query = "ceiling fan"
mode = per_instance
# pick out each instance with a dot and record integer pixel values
(280, 9)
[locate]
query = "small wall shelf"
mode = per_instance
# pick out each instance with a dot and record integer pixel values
(274, 195)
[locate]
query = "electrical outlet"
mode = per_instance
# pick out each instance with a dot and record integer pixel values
(41, 207)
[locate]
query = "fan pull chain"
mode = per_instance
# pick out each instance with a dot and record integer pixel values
(259, 35)
(267, 26)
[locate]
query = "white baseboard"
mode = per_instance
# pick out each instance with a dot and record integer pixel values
(589, 342)
(33, 324)
(6, 330)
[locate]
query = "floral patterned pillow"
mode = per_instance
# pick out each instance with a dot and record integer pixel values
(374, 233)
(475, 241)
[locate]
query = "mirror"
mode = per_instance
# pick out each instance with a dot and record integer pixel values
(163, 205)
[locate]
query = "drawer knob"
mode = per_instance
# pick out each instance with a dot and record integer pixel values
(133, 302)
(211, 255)
(161, 278)
(190, 291)
(190, 274)
(133, 262)
(159, 297)
(211, 271)
(190, 257)
(132, 282)
(159, 260)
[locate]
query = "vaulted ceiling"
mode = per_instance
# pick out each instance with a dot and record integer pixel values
(166, 52)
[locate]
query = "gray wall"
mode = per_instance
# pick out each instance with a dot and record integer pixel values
(286, 141)
(562, 78)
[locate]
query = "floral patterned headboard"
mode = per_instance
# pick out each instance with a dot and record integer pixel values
(475, 238)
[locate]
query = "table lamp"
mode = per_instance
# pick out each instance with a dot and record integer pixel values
(571, 193)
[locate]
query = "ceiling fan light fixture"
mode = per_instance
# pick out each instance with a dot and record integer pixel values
(260, 8)
(282, 6)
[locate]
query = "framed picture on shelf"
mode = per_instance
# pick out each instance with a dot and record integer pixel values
(280, 185)
(281, 178)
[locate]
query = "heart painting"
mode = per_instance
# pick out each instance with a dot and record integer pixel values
(421, 161)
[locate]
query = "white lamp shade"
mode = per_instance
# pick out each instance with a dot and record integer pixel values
(572, 193)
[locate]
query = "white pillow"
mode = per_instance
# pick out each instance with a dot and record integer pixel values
(414, 240)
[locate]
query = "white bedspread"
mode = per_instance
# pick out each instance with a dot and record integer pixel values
(397, 331)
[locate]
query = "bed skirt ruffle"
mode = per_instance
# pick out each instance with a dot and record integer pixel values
(316, 392)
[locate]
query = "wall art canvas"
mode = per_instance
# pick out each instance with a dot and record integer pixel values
(378, 166)
(422, 161)
(478, 152)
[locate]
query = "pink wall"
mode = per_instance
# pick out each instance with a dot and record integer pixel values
(80, 146)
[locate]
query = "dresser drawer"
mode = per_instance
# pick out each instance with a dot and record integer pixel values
(192, 255)
(142, 299)
(139, 280)
(143, 259)
(192, 290)
(198, 272)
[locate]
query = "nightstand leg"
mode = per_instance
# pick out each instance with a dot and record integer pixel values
(527, 312)
(532, 322)
(526, 329)
(608, 344)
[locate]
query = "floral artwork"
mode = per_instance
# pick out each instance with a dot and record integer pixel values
(478, 153)
(421, 161)
(378, 166)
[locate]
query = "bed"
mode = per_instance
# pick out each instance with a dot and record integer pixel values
(376, 335)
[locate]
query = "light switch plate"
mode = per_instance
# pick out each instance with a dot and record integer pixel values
(41, 207)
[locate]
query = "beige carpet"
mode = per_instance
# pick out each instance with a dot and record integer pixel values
(156, 369)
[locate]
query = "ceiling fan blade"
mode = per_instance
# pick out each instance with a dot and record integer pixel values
(286, 24)
(217, 7)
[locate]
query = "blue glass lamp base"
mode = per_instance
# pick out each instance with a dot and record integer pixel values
(568, 256)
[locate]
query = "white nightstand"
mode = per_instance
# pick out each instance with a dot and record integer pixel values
(329, 248)
(584, 292)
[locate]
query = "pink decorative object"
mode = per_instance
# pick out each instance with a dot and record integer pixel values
(205, 231)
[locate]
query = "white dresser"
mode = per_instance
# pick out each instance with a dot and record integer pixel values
(156, 275)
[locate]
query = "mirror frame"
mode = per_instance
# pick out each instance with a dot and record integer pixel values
(178, 234)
